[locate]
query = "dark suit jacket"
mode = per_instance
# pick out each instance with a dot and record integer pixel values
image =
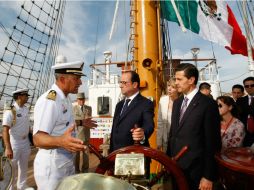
(140, 111)
(244, 111)
(200, 131)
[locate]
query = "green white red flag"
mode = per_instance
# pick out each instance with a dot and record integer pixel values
(212, 20)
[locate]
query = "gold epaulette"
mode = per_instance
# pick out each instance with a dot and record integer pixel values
(51, 95)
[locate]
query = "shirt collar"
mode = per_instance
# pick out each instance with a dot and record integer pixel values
(250, 96)
(133, 96)
(15, 104)
(191, 95)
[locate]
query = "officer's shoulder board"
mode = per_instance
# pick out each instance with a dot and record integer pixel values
(51, 95)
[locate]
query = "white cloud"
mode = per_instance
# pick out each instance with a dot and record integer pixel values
(78, 39)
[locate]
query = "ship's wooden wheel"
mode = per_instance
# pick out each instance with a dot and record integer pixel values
(107, 163)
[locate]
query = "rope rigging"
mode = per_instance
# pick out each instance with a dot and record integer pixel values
(31, 48)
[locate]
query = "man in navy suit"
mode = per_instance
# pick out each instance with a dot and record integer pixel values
(195, 123)
(246, 109)
(134, 109)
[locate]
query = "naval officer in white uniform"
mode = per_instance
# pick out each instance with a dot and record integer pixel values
(15, 136)
(54, 126)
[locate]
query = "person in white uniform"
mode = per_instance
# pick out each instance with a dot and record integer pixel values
(15, 136)
(82, 111)
(54, 126)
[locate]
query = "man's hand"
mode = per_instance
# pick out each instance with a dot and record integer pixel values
(88, 122)
(6, 137)
(9, 153)
(70, 143)
(137, 134)
(205, 184)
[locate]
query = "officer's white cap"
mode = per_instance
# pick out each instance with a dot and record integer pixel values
(21, 91)
(64, 67)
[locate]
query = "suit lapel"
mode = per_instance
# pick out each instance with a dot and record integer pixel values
(247, 101)
(177, 112)
(190, 108)
(118, 111)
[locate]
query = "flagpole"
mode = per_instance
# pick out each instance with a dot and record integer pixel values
(178, 16)
(247, 29)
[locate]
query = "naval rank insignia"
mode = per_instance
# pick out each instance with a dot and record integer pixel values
(51, 95)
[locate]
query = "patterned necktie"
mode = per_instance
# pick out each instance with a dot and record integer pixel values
(125, 106)
(183, 108)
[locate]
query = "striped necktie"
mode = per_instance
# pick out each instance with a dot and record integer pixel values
(183, 108)
(125, 106)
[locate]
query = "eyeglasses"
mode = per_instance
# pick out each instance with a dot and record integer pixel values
(249, 86)
(124, 82)
(219, 106)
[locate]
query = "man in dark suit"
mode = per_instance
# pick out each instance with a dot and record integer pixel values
(134, 109)
(205, 88)
(246, 109)
(195, 123)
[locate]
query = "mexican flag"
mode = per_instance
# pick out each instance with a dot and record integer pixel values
(212, 20)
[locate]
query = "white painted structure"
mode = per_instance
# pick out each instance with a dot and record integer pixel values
(104, 93)
(103, 84)
(209, 73)
(104, 89)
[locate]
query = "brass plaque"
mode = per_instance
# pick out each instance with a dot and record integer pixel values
(130, 164)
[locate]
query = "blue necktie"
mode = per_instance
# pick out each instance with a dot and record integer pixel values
(125, 106)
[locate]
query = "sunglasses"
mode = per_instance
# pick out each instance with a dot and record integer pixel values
(219, 106)
(249, 86)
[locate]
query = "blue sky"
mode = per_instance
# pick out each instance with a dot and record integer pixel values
(82, 19)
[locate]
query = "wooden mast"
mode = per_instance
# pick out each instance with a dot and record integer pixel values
(146, 54)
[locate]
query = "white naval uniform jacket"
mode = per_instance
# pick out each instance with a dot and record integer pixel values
(20, 129)
(18, 120)
(53, 117)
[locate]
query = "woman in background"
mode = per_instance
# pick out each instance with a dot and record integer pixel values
(164, 115)
(232, 129)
